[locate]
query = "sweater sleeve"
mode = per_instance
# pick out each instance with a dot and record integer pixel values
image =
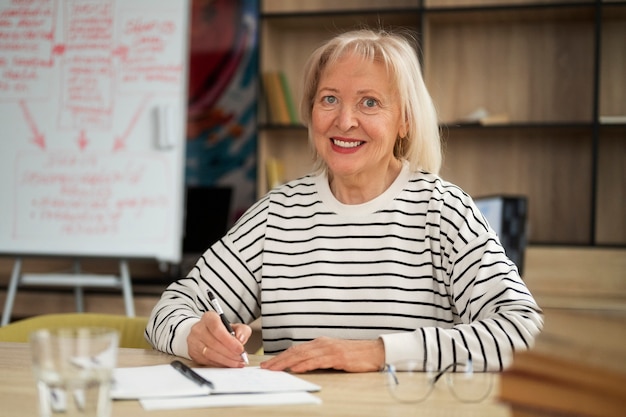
(494, 312)
(230, 269)
(497, 315)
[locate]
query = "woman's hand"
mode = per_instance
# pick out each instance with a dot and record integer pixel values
(209, 343)
(328, 353)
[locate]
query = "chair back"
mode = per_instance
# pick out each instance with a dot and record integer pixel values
(131, 329)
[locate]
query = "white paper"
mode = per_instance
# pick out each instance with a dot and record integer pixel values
(153, 381)
(163, 381)
(230, 400)
(253, 379)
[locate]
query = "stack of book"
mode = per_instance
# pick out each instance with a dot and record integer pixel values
(538, 384)
(280, 103)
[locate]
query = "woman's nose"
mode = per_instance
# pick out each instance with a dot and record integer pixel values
(346, 118)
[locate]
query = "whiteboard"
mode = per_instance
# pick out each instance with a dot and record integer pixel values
(92, 119)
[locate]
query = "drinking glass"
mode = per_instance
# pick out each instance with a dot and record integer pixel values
(73, 369)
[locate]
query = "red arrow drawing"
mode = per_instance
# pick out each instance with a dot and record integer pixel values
(120, 141)
(38, 138)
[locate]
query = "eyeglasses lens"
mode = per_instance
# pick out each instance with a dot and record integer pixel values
(407, 383)
(470, 387)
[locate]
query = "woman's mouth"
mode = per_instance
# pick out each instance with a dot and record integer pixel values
(346, 144)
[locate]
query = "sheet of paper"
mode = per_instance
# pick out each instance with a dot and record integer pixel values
(153, 381)
(163, 381)
(230, 400)
(253, 380)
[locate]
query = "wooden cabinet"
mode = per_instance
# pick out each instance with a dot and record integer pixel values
(545, 80)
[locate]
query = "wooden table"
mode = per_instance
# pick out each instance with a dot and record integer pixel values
(342, 394)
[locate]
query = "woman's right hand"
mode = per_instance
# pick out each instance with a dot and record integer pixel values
(209, 343)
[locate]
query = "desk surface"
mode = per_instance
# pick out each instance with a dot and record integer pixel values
(342, 394)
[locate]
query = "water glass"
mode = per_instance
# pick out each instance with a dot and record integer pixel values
(73, 369)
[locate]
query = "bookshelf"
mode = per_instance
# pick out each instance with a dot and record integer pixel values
(548, 74)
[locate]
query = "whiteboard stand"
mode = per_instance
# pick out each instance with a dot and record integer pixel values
(77, 279)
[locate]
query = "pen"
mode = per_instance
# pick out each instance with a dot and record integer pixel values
(191, 374)
(218, 309)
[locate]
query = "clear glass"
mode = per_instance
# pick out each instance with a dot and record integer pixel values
(73, 369)
(408, 382)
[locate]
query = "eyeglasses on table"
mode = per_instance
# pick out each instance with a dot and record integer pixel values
(408, 382)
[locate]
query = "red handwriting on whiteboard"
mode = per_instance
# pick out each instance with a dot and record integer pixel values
(150, 59)
(87, 71)
(84, 60)
(91, 195)
(26, 29)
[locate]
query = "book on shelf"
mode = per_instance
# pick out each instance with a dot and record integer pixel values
(275, 172)
(543, 385)
(275, 95)
(291, 108)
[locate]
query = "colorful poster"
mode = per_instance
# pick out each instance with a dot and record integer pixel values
(223, 78)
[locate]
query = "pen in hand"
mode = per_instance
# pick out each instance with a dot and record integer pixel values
(218, 309)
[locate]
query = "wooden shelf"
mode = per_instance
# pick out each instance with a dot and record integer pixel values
(430, 4)
(524, 68)
(611, 225)
(333, 6)
(613, 62)
(550, 165)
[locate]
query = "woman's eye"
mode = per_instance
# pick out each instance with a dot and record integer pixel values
(329, 99)
(370, 102)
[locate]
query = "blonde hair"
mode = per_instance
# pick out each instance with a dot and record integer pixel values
(422, 144)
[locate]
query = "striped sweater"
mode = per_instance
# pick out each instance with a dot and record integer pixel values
(418, 266)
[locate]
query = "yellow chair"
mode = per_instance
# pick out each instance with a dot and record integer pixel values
(131, 329)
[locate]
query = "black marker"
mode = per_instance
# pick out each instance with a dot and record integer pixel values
(191, 374)
(218, 309)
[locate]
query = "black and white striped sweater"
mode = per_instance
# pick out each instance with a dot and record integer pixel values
(417, 266)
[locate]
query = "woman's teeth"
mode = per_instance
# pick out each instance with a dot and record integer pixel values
(344, 144)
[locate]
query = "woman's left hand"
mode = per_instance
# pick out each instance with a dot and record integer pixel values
(329, 353)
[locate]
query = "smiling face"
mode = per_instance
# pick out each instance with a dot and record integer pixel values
(356, 119)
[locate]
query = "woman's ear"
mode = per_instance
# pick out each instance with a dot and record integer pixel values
(403, 130)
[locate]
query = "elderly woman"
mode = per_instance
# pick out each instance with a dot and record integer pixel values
(372, 258)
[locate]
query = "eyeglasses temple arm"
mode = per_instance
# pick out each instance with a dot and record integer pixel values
(390, 369)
